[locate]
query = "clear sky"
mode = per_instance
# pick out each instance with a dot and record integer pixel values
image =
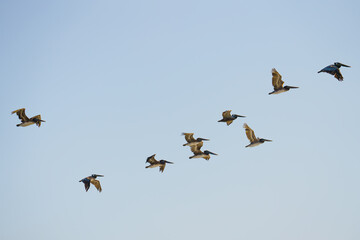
(117, 81)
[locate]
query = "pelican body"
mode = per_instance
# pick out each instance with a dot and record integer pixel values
(334, 69)
(25, 121)
(155, 163)
(254, 141)
(228, 117)
(191, 141)
(92, 179)
(278, 83)
(200, 154)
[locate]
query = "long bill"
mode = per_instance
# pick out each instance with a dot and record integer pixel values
(343, 65)
(212, 153)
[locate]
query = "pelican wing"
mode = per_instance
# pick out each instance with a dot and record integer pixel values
(229, 122)
(38, 117)
(96, 183)
(227, 114)
(189, 137)
(196, 148)
(276, 79)
(152, 159)
(249, 133)
(21, 114)
(86, 182)
(338, 75)
(329, 69)
(162, 168)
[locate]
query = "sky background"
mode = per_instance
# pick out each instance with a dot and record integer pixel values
(117, 81)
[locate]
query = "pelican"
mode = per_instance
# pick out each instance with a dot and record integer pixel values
(92, 179)
(334, 70)
(278, 83)
(25, 121)
(228, 117)
(155, 163)
(189, 137)
(200, 154)
(254, 141)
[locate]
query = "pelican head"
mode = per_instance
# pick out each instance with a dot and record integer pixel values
(338, 64)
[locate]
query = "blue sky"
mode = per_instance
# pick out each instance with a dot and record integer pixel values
(117, 81)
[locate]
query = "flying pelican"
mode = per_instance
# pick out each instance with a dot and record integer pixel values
(92, 179)
(25, 121)
(189, 137)
(228, 117)
(278, 83)
(200, 154)
(254, 141)
(334, 70)
(155, 163)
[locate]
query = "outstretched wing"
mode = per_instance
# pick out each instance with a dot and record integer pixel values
(329, 69)
(86, 182)
(196, 148)
(96, 183)
(227, 114)
(152, 159)
(21, 114)
(276, 79)
(249, 133)
(189, 137)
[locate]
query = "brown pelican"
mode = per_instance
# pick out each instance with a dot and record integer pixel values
(200, 154)
(228, 117)
(254, 141)
(92, 179)
(334, 70)
(25, 121)
(155, 163)
(278, 83)
(189, 137)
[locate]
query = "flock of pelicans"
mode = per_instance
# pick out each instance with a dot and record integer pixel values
(194, 144)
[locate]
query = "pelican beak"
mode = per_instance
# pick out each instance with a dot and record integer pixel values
(100, 175)
(267, 140)
(42, 121)
(344, 65)
(204, 139)
(212, 153)
(169, 162)
(239, 115)
(292, 87)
